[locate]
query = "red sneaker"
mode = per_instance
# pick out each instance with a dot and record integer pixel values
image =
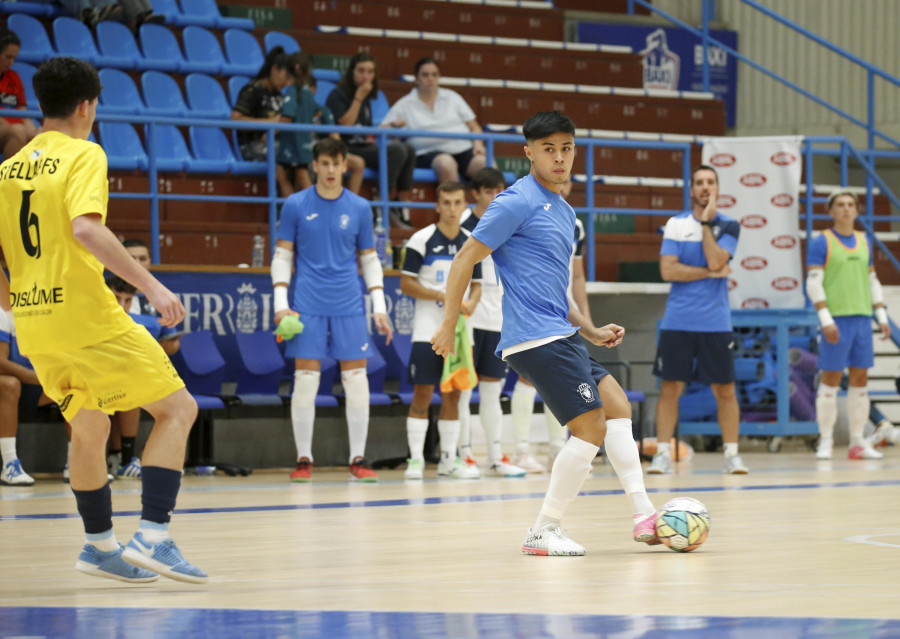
(303, 472)
(360, 471)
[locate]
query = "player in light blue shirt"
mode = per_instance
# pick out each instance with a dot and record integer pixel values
(330, 229)
(528, 231)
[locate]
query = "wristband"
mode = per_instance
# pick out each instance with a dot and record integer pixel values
(825, 318)
(280, 299)
(378, 303)
(707, 223)
(881, 315)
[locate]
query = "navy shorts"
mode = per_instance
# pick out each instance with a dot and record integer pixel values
(691, 356)
(487, 364)
(463, 159)
(425, 366)
(564, 375)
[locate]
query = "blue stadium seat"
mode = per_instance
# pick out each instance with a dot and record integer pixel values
(205, 97)
(162, 95)
(205, 13)
(200, 364)
(243, 53)
(380, 107)
(376, 370)
(173, 154)
(168, 8)
(331, 75)
(36, 45)
(273, 39)
(202, 50)
(116, 42)
(120, 94)
(209, 143)
(262, 366)
(74, 39)
(26, 72)
(235, 84)
(123, 147)
(161, 50)
(37, 9)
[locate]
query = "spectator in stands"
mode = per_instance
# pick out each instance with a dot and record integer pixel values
(844, 288)
(295, 148)
(696, 333)
(134, 13)
(331, 230)
(14, 132)
(351, 103)
(428, 256)
(140, 253)
(431, 107)
(18, 385)
(261, 100)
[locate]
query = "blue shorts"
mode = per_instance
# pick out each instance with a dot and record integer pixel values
(425, 366)
(854, 348)
(692, 356)
(340, 337)
(564, 375)
(487, 364)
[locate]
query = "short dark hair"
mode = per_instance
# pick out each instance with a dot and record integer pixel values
(330, 147)
(546, 123)
(117, 284)
(8, 37)
(449, 187)
(423, 61)
(61, 84)
(488, 178)
(703, 167)
(133, 241)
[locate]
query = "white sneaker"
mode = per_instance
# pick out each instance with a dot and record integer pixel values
(529, 463)
(661, 464)
(503, 468)
(863, 451)
(885, 434)
(551, 541)
(473, 466)
(825, 449)
(456, 469)
(415, 469)
(13, 475)
(734, 465)
(113, 463)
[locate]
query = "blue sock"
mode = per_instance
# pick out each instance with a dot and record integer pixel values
(95, 508)
(160, 489)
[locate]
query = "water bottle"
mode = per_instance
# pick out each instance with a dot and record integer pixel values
(259, 247)
(382, 244)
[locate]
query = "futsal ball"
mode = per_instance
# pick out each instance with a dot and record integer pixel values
(683, 524)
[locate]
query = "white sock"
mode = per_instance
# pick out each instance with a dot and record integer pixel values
(857, 413)
(8, 449)
(730, 448)
(491, 415)
(153, 532)
(104, 542)
(623, 454)
(465, 422)
(448, 429)
(663, 448)
(303, 410)
(571, 468)
(522, 408)
(556, 432)
(416, 429)
(826, 410)
(356, 390)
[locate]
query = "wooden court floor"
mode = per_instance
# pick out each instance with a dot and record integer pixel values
(797, 548)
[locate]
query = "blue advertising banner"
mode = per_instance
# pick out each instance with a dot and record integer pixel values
(231, 302)
(673, 58)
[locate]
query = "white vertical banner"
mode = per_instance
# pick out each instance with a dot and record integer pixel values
(759, 186)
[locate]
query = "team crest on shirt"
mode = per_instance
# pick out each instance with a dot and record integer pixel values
(345, 220)
(247, 308)
(586, 392)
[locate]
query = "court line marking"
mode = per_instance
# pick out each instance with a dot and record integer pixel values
(462, 499)
(867, 539)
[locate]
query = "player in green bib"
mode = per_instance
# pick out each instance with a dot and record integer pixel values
(844, 288)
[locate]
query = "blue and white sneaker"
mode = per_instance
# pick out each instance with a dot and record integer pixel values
(13, 475)
(95, 562)
(131, 470)
(164, 558)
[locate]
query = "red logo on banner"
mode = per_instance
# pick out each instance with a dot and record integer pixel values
(784, 241)
(785, 283)
(783, 158)
(753, 179)
(725, 201)
(783, 199)
(754, 263)
(722, 160)
(732, 284)
(754, 302)
(753, 221)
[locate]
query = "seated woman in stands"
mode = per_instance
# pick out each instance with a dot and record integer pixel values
(351, 103)
(430, 107)
(14, 132)
(260, 101)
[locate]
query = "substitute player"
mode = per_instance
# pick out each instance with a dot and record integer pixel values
(89, 356)
(528, 230)
(331, 229)
(844, 287)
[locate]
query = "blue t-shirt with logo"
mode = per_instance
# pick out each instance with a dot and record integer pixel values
(530, 231)
(701, 305)
(327, 235)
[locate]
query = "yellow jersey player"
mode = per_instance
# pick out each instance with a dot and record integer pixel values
(89, 356)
